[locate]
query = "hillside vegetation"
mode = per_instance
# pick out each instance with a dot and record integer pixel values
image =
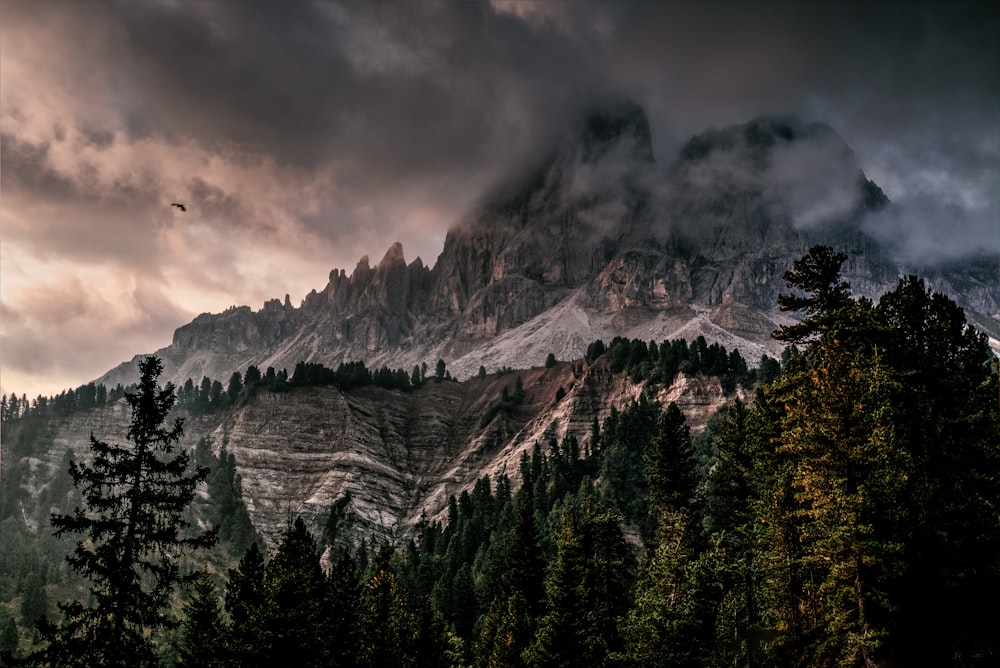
(849, 515)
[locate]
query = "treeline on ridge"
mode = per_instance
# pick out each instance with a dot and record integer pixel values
(642, 361)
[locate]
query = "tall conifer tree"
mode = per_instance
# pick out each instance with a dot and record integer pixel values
(248, 606)
(133, 534)
(203, 629)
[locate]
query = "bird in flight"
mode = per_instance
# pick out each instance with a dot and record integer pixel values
(179, 206)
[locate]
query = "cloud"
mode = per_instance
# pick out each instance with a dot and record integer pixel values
(925, 228)
(62, 328)
(818, 179)
(804, 173)
(306, 134)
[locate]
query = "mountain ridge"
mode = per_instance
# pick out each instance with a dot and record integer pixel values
(593, 233)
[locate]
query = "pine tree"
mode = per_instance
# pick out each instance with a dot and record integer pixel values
(732, 496)
(247, 604)
(670, 463)
(818, 275)
(948, 419)
(205, 394)
(34, 600)
(506, 630)
(134, 533)
(389, 626)
(848, 472)
(252, 377)
(234, 387)
(839, 514)
(672, 620)
(588, 589)
(344, 597)
(296, 589)
(203, 628)
(666, 624)
(525, 574)
(9, 641)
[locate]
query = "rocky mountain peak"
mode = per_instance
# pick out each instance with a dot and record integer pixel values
(774, 169)
(759, 137)
(601, 150)
(362, 270)
(393, 256)
(592, 242)
(610, 124)
(546, 231)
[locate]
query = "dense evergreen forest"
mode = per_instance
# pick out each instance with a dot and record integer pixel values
(848, 516)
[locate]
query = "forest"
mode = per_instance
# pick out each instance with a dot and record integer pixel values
(849, 515)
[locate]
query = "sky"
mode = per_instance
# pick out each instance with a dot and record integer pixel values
(303, 135)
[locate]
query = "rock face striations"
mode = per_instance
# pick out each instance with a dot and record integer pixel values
(396, 457)
(594, 241)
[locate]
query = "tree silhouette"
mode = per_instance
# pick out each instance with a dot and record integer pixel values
(133, 536)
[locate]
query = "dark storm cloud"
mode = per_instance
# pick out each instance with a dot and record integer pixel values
(304, 134)
(398, 107)
(432, 95)
(397, 89)
(911, 87)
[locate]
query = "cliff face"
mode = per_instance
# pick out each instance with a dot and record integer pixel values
(590, 242)
(399, 456)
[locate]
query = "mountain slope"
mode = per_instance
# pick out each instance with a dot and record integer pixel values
(399, 456)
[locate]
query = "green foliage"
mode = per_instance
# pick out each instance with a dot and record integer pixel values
(505, 404)
(506, 632)
(876, 526)
(247, 605)
(344, 627)
(661, 363)
(210, 396)
(818, 276)
(253, 377)
(203, 629)
(848, 473)
(224, 508)
(944, 414)
(667, 624)
(587, 590)
(390, 634)
(134, 499)
(621, 447)
(64, 404)
(9, 641)
(297, 607)
(234, 388)
(670, 466)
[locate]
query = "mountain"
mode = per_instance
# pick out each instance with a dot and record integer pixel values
(592, 241)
